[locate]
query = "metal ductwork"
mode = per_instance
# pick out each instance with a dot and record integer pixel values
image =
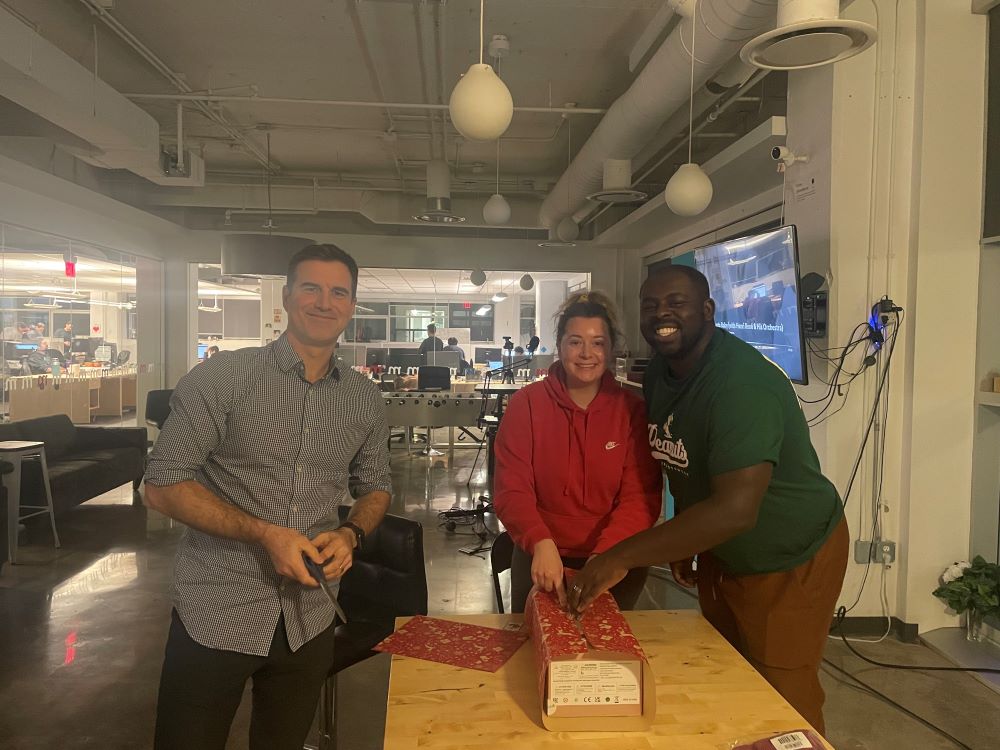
(662, 87)
(259, 255)
(38, 76)
(438, 195)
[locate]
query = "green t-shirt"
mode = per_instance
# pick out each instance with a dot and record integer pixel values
(737, 410)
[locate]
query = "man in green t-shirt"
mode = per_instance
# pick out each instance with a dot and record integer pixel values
(752, 503)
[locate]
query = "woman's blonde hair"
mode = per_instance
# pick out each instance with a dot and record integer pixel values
(589, 304)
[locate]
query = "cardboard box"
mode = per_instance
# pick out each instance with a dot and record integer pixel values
(592, 673)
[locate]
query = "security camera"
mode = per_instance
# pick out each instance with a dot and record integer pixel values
(786, 157)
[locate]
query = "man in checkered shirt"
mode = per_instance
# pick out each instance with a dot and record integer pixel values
(260, 448)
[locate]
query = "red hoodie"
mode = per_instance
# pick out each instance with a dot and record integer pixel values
(582, 477)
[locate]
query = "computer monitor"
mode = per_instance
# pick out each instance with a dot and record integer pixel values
(25, 347)
(442, 359)
(404, 358)
(202, 348)
(375, 357)
(485, 355)
(494, 365)
(754, 281)
(87, 344)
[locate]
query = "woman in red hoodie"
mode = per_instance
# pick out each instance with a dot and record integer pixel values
(574, 474)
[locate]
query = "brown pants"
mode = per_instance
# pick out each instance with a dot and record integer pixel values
(779, 621)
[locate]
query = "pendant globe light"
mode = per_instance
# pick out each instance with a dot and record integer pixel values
(689, 191)
(496, 212)
(481, 106)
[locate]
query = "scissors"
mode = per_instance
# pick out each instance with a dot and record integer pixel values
(316, 571)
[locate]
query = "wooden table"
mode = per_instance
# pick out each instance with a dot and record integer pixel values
(707, 694)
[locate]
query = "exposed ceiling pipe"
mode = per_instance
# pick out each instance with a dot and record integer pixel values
(439, 46)
(657, 92)
(179, 83)
(346, 103)
(366, 55)
(711, 117)
(418, 24)
(732, 76)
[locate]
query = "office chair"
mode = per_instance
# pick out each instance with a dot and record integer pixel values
(501, 554)
(386, 581)
(123, 357)
(157, 407)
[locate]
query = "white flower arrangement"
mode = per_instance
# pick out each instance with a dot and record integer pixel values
(954, 571)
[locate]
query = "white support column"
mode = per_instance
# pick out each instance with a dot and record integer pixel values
(549, 295)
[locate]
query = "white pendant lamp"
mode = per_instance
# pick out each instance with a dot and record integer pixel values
(689, 191)
(496, 212)
(481, 106)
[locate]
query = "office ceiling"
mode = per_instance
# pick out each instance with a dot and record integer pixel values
(562, 52)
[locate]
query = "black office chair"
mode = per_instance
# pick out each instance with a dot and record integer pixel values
(501, 553)
(386, 581)
(123, 357)
(158, 407)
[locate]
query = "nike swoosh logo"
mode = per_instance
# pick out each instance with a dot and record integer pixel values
(610, 446)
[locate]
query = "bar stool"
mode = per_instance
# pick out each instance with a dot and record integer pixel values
(15, 451)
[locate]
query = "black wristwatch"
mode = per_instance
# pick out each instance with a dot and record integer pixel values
(359, 533)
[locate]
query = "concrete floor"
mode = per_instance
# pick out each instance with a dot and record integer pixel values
(82, 630)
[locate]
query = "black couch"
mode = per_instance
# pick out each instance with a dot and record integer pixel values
(84, 462)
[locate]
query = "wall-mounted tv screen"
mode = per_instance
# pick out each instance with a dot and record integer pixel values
(754, 281)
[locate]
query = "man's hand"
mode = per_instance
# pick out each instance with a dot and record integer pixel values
(547, 569)
(598, 575)
(337, 549)
(684, 572)
(285, 548)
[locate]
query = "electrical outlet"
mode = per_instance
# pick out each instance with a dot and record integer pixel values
(877, 552)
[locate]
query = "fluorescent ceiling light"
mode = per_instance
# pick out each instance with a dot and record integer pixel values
(735, 262)
(499, 297)
(213, 309)
(483, 310)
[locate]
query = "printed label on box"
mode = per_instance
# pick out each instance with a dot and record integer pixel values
(791, 741)
(594, 683)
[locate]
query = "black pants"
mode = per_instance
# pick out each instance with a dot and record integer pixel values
(201, 688)
(626, 592)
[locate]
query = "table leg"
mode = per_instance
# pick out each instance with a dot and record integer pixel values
(12, 481)
(48, 496)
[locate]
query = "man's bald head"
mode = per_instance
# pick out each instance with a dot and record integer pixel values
(693, 275)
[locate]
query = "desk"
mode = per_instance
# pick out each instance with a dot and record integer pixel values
(707, 694)
(91, 392)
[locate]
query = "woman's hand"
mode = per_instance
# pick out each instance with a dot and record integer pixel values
(547, 569)
(684, 573)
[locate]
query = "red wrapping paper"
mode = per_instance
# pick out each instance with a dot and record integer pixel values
(555, 635)
(456, 643)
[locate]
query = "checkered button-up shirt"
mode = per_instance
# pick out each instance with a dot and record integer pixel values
(250, 428)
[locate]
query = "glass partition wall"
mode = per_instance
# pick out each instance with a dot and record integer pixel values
(69, 329)
(395, 307)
